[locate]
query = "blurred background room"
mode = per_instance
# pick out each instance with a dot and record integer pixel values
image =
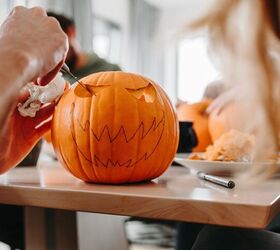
(145, 37)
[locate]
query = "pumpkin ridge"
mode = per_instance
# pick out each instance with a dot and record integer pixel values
(90, 139)
(77, 147)
(72, 129)
(174, 116)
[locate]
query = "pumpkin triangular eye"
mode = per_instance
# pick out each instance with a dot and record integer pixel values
(89, 90)
(147, 94)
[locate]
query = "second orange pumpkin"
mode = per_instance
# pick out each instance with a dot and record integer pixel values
(196, 113)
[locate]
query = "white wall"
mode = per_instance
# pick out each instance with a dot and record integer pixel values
(173, 18)
(101, 232)
(116, 11)
(3, 10)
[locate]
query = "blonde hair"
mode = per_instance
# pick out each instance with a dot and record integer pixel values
(241, 36)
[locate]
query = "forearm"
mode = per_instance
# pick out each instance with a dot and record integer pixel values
(14, 73)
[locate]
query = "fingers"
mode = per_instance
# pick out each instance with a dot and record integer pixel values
(49, 76)
(221, 102)
(38, 11)
(17, 9)
(23, 95)
(44, 114)
(216, 107)
(31, 32)
(61, 49)
(44, 128)
(43, 120)
(213, 106)
(35, 10)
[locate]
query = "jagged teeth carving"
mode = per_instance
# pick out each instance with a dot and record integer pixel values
(105, 133)
(97, 160)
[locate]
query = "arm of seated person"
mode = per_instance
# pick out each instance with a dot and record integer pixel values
(26, 54)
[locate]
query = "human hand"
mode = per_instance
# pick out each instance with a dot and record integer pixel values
(35, 41)
(21, 134)
(218, 104)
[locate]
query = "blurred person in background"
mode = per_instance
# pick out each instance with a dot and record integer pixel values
(213, 90)
(80, 63)
(252, 69)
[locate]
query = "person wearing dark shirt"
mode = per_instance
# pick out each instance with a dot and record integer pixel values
(80, 63)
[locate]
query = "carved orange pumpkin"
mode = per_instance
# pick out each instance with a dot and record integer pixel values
(127, 131)
(196, 113)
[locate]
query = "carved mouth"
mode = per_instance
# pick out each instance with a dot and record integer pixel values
(142, 132)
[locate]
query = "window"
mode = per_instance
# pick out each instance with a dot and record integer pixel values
(6, 7)
(107, 39)
(19, 2)
(3, 11)
(195, 70)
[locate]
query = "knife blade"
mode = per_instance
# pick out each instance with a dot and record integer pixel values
(65, 70)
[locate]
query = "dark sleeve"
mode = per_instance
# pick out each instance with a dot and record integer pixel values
(103, 65)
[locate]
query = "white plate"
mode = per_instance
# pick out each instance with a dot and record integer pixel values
(215, 167)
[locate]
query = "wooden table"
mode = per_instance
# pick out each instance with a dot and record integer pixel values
(174, 196)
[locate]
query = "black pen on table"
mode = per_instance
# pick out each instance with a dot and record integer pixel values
(216, 180)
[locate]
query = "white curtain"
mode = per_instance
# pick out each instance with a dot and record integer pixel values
(81, 12)
(145, 56)
(83, 16)
(4, 9)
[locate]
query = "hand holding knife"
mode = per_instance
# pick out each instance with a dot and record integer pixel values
(65, 70)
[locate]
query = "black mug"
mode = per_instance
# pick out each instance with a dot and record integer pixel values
(187, 138)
